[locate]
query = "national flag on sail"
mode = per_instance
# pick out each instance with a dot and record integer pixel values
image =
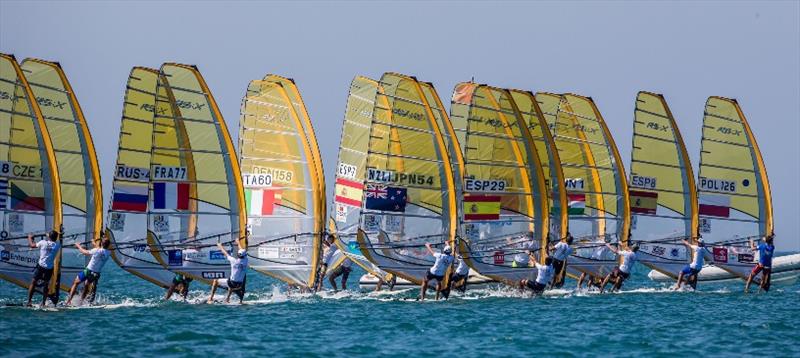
(3, 192)
(715, 205)
(171, 195)
(463, 93)
(261, 202)
(482, 207)
(348, 192)
(130, 198)
(577, 203)
(643, 202)
(385, 198)
(20, 200)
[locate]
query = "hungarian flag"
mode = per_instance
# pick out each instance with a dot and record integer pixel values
(348, 192)
(170, 195)
(577, 203)
(20, 200)
(261, 202)
(715, 205)
(482, 207)
(129, 198)
(644, 202)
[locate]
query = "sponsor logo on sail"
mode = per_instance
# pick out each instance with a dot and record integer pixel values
(658, 127)
(211, 275)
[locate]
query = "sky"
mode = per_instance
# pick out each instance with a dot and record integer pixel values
(606, 50)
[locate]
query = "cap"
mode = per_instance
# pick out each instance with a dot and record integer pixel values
(447, 250)
(242, 253)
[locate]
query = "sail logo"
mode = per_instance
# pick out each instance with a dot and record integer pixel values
(278, 175)
(658, 127)
(257, 180)
(7, 96)
(212, 275)
(643, 182)
(47, 102)
(408, 114)
(574, 183)
(478, 185)
(16, 170)
(132, 173)
(388, 176)
(729, 131)
(189, 105)
(161, 172)
(717, 185)
(496, 123)
(147, 107)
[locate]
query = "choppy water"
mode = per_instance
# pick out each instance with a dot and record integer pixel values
(645, 319)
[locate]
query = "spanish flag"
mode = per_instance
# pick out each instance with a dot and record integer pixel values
(643, 202)
(482, 207)
(348, 192)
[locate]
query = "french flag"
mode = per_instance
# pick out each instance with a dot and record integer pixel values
(130, 198)
(171, 196)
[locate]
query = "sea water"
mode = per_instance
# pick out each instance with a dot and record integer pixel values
(645, 319)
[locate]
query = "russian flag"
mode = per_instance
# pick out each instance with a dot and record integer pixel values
(130, 198)
(171, 196)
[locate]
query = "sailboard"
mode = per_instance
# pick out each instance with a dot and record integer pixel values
(365, 101)
(550, 162)
(30, 193)
(281, 170)
(79, 176)
(595, 181)
(735, 202)
(503, 193)
(404, 196)
(662, 189)
(195, 182)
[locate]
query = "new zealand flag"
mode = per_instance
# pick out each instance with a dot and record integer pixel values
(385, 198)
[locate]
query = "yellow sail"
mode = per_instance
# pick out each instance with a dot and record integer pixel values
(29, 179)
(408, 190)
(549, 159)
(504, 195)
(196, 185)
(735, 202)
(81, 191)
(282, 186)
(662, 189)
(597, 191)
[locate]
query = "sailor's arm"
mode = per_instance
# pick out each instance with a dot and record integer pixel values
(612, 248)
(430, 250)
(222, 248)
(686, 243)
(81, 249)
(31, 244)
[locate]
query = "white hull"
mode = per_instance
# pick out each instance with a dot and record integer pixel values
(785, 270)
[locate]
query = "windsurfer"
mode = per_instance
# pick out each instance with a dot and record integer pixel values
(560, 252)
(622, 271)
(764, 265)
(327, 257)
(438, 270)
(237, 281)
(43, 271)
(544, 274)
(91, 274)
(691, 270)
(343, 270)
(459, 276)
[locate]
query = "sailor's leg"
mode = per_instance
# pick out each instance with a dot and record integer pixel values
(423, 289)
(30, 291)
(749, 281)
(605, 281)
(72, 289)
(345, 275)
(213, 290)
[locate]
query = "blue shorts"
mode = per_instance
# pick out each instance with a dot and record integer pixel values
(688, 271)
(88, 275)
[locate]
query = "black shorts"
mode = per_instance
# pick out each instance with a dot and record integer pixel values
(340, 270)
(181, 280)
(456, 277)
(557, 266)
(41, 274)
(535, 286)
(618, 273)
(429, 276)
(235, 285)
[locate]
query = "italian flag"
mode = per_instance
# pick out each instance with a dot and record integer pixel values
(261, 202)
(577, 203)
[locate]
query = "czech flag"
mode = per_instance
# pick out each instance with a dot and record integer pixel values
(643, 202)
(20, 200)
(130, 198)
(171, 196)
(482, 207)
